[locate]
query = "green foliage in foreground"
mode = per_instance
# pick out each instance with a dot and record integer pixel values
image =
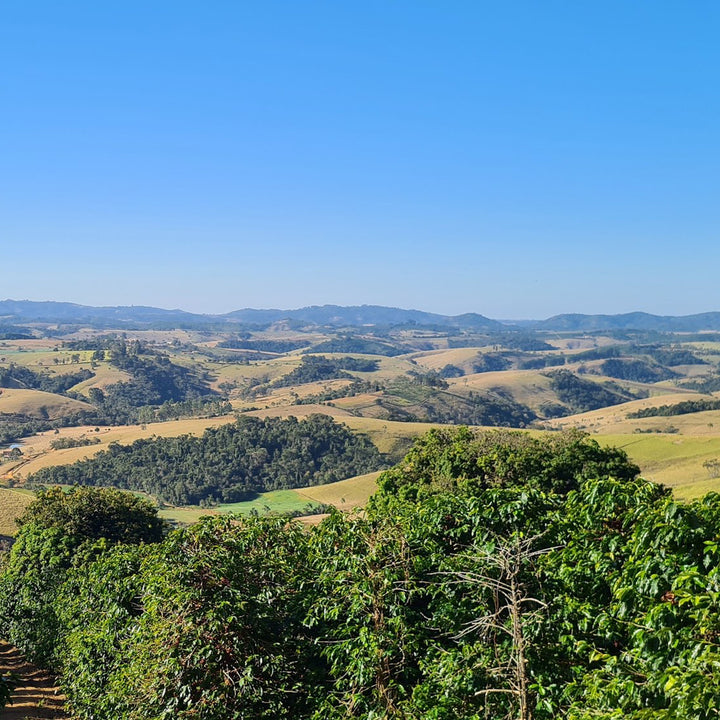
(7, 685)
(208, 625)
(57, 532)
(460, 460)
(483, 591)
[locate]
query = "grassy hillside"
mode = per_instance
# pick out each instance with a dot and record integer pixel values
(38, 404)
(676, 461)
(12, 505)
(527, 387)
(246, 365)
(344, 495)
(38, 454)
(614, 419)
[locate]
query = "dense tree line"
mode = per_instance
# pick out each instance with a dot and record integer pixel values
(490, 362)
(429, 379)
(13, 332)
(451, 371)
(522, 341)
(155, 378)
(13, 427)
(314, 368)
(125, 403)
(662, 354)
(635, 370)
(491, 576)
(70, 442)
(542, 361)
(527, 342)
(362, 346)
(17, 376)
(675, 356)
(682, 408)
(16, 426)
(98, 344)
(707, 385)
(228, 463)
(600, 353)
(581, 395)
(273, 346)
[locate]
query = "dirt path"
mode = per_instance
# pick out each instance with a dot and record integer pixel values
(36, 697)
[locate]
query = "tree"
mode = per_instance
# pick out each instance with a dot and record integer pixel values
(90, 513)
(58, 531)
(508, 560)
(206, 625)
(467, 461)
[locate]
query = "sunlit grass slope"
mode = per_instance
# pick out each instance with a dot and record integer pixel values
(38, 454)
(39, 404)
(12, 505)
(673, 460)
(344, 495)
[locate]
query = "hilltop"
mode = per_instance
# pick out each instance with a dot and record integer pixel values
(77, 381)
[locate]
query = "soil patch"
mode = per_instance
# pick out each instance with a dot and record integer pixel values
(37, 696)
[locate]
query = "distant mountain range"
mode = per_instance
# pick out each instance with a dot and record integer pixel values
(631, 321)
(133, 316)
(27, 311)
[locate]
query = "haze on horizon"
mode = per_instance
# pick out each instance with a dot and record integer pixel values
(517, 160)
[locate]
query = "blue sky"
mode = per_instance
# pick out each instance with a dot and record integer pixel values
(516, 159)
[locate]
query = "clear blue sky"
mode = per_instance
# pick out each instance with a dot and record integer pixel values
(517, 159)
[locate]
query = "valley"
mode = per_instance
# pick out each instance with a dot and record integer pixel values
(74, 388)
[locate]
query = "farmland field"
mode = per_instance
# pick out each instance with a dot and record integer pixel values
(421, 378)
(36, 403)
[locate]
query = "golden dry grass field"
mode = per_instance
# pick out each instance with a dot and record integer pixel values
(344, 495)
(437, 359)
(614, 419)
(38, 454)
(38, 404)
(104, 375)
(12, 505)
(45, 353)
(528, 387)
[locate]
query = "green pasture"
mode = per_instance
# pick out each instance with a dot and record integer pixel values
(345, 495)
(274, 502)
(673, 460)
